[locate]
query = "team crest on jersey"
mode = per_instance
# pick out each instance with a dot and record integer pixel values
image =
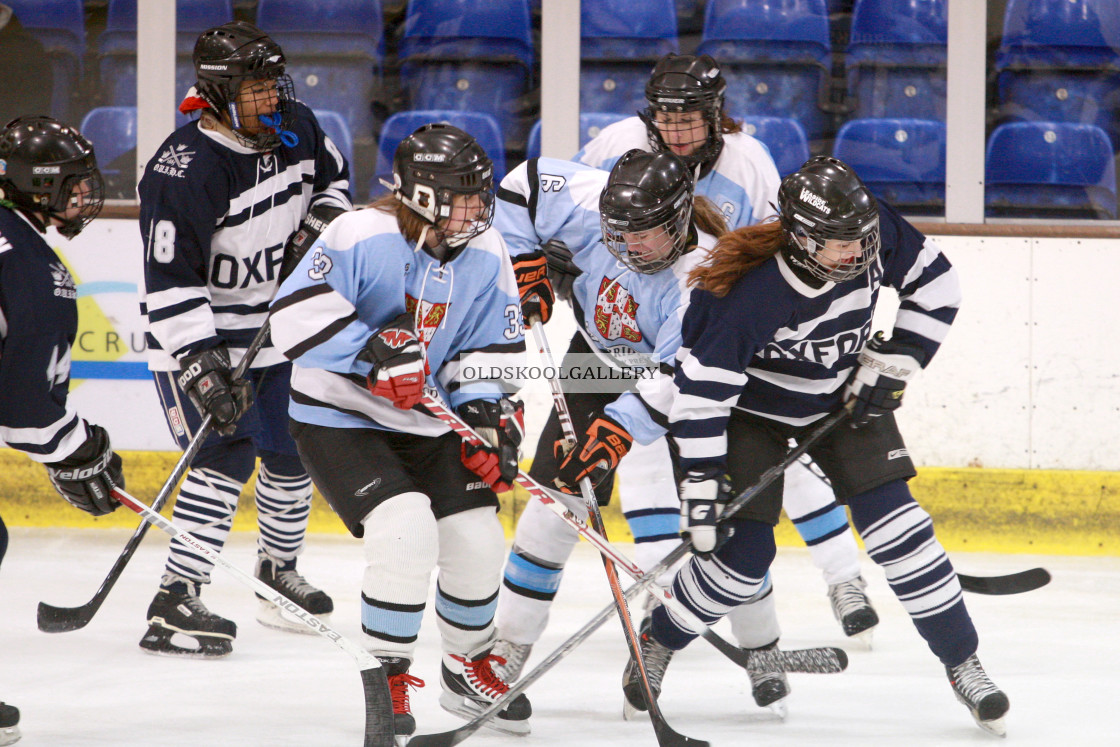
(616, 313)
(63, 284)
(174, 161)
(431, 315)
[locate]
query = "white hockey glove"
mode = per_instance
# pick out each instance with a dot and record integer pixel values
(704, 493)
(885, 366)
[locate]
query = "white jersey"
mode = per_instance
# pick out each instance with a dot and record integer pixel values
(743, 182)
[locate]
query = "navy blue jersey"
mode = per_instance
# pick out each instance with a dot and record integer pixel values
(783, 350)
(38, 323)
(215, 216)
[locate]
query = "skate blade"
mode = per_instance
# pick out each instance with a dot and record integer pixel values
(996, 726)
(401, 740)
(866, 637)
(161, 642)
(779, 708)
(9, 735)
(270, 616)
(466, 708)
(629, 712)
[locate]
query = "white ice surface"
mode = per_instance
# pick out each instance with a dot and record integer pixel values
(1056, 652)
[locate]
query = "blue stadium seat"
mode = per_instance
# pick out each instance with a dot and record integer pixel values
(59, 25)
(785, 138)
(335, 127)
(900, 160)
(1059, 60)
(469, 55)
(117, 45)
(481, 126)
(776, 57)
(334, 53)
(590, 123)
(896, 59)
(1050, 170)
(620, 40)
(112, 130)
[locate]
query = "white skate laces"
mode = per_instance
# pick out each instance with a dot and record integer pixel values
(514, 654)
(853, 609)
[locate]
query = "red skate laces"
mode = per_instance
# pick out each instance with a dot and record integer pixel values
(481, 677)
(398, 690)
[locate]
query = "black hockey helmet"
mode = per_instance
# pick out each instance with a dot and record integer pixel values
(826, 200)
(228, 55)
(49, 169)
(437, 162)
(646, 192)
(686, 83)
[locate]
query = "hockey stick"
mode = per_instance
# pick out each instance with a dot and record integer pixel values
(53, 619)
(1011, 583)
(666, 735)
(379, 706)
(837, 659)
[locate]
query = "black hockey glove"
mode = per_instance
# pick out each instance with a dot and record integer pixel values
(207, 380)
(534, 287)
(502, 425)
(399, 368)
(704, 493)
(562, 271)
(87, 477)
(314, 223)
(884, 368)
(595, 456)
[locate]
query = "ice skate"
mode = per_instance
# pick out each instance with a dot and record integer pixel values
(9, 724)
(770, 689)
(283, 576)
(986, 702)
(177, 612)
(853, 609)
(470, 685)
(515, 655)
(396, 670)
(656, 658)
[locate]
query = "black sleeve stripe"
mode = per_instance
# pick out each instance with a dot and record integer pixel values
(658, 417)
(322, 336)
(534, 188)
(508, 195)
(498, 347)
(303, 399)
(170, 312)
(300, 295)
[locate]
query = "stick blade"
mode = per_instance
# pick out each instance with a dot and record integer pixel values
(444, 738)
(667, 737)
(51, 619)
(1012, 583)
(379, 708)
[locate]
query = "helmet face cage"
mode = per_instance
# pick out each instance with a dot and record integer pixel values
(650, 240)
(679, 84)
(49, 168)
(230, 59)
(427, 179)
(826, 201)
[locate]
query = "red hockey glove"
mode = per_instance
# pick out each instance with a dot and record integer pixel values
(502, 425)
(398, 361)
(537, 298)
(885, 366)
(596, 455)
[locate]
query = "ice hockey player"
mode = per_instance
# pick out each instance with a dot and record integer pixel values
(637, 232)
(686, 116)
(226, 201)
(416, 290)
(777, 338)
(48, 177)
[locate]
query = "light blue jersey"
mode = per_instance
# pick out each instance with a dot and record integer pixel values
(742, 184)
(619, 311)
(360, 275)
